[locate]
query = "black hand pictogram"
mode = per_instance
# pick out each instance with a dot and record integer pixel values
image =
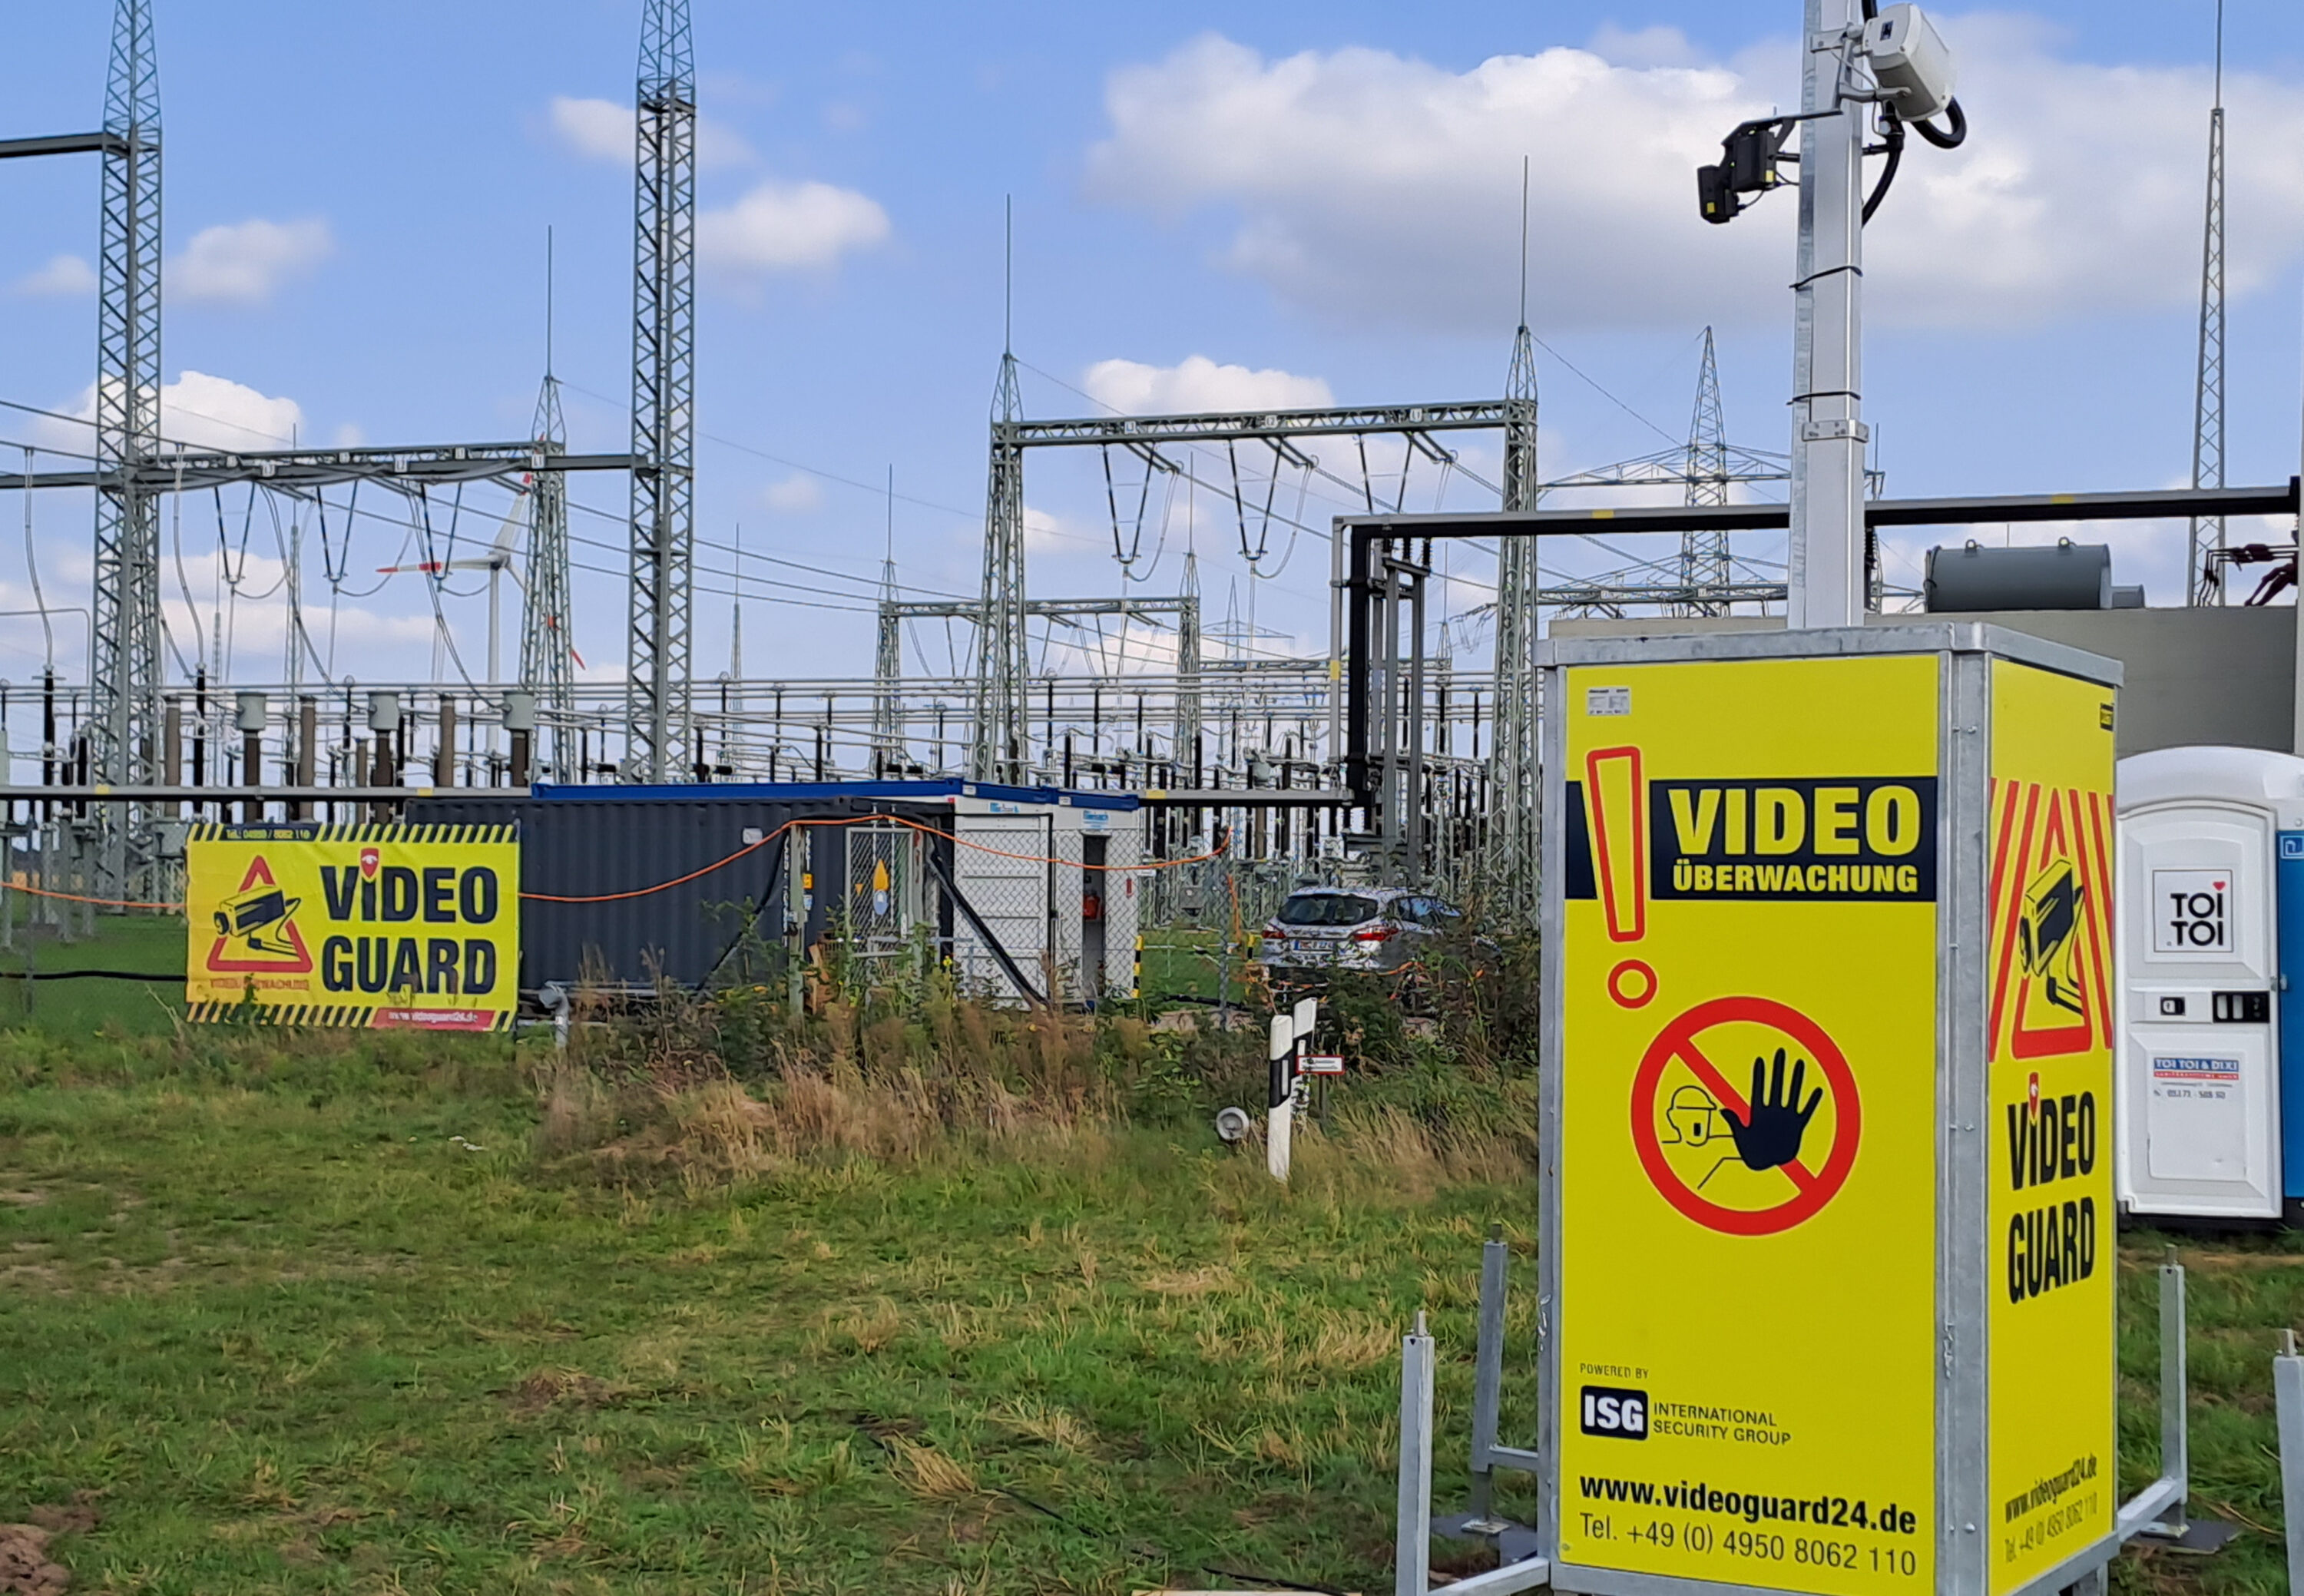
(1775, 1120)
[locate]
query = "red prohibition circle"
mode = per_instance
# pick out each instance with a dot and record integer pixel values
(1630, 1000)
(1812, 1190)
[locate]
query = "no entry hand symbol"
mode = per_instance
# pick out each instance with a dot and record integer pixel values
(1708, 1122)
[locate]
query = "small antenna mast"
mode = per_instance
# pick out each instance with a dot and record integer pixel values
(1008, 276)
(1523, 236)
(548, 300)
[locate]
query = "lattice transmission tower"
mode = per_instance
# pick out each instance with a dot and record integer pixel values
(1704, 560)
(1004, 665)
(125, 685)
(2206, 584)
(663, 395)
(546, 637)
(1513, 850)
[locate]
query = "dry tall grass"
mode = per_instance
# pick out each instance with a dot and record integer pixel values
(714, 1092)
(661, 1093)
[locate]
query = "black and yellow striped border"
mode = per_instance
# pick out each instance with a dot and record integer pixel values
(340, 1015)
(380, 831)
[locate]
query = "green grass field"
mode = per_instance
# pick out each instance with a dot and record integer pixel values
(73, 1008)
(360, 1314)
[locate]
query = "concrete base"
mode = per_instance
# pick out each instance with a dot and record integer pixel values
(1516, 1543)
(2202, 1538)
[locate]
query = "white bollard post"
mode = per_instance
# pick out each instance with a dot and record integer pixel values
(2288, 1389)
(1280, 1101)
(1412, 1550)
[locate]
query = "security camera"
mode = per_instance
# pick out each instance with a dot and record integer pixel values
(1909, 62)
(1747, 165)
(1911, 83)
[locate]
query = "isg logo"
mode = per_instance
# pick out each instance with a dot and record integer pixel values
(1616, 1411)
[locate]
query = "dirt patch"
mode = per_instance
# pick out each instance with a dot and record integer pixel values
(75, 1517)
(23, 1199)
(25, 1569)
(551, 1388)
(1198, 1282)
(29, 1277)
(2241, 1261)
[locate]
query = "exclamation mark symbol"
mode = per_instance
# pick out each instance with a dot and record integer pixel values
(1619, 835)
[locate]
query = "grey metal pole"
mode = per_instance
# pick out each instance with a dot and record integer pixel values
(1488, 1371)
(1826, 576)
(1413, 802)
(2175, 1443)
(2288, 1389)
(1413, 1553)
(796, 852)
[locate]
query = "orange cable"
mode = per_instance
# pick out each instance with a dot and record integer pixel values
(73, 898)
(608, 898)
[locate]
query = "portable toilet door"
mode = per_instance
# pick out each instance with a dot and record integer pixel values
(2201, 1076)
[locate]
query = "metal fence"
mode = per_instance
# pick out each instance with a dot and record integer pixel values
(56, 860)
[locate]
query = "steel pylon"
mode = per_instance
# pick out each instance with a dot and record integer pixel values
(1704, 556)
(997, 740)
(1513, 850)
(2207, 586)
(663, 393)
(547, 640)
(888, 672)
(125, 685)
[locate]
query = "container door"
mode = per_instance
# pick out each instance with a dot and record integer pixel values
(1004, 876)
(1094, 880)
(2199, 1091)
(2290, 1073)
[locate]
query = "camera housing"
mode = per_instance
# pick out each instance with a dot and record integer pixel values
(1909, 61)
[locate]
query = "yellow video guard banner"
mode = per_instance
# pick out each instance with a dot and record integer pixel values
(2049, 1148)
(378, 926)
(1748, 1323)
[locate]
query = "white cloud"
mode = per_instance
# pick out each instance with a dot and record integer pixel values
(203, 412)
(244, 262)
(217, 413)
(796, 495)
(1046, 533)
(786, 226)
(1197, 383)
(64, 275)
(601, 130)
(1655, 45)
(1367, 184)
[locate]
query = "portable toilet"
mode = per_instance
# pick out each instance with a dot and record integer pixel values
(2209, 893)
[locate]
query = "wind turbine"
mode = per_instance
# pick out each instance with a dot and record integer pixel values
(497, 563)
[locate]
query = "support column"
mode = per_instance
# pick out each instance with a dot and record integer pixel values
(1828, 432)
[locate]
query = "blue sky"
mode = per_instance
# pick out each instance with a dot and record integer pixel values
(1325, 196)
